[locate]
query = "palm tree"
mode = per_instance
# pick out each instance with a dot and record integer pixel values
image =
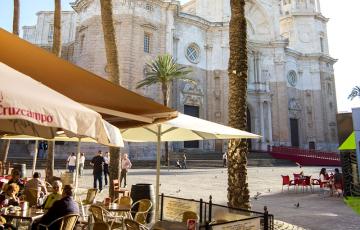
(16, 16)
(238, 192)
(355, 92)
(113, 66)
(164, 70)
(56, 49)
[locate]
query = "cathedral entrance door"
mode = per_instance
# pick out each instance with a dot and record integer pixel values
(294, 127)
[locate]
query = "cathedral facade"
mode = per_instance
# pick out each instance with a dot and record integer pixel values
(291, 88)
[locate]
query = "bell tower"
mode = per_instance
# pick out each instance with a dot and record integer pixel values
(214, 10)
(304, 26)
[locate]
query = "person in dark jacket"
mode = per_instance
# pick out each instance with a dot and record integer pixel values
(60, 208)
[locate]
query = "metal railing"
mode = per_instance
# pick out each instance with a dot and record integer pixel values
(213, 216)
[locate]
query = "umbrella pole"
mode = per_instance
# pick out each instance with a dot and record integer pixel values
(35, 157)
(77, 167)
(158, 172)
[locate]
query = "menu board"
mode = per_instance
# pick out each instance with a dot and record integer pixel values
(252, 224)
(174, 208)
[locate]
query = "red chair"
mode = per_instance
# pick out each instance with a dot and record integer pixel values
(286, 181)
(306, 182)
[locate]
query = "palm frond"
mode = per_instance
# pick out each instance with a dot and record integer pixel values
(164, 69)
(354, 93)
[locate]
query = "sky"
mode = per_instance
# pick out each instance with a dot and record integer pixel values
(344, 38)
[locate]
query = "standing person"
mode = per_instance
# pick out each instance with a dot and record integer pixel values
(97, 163)
(184, 161)
(125, 166)
(71, 161)
(81, 164)
(106, 167)
(224, 156)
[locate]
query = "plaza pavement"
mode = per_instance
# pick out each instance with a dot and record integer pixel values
(314, 212)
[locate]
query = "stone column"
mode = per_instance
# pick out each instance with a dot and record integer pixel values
(261, 106)
(269, 122)
(318, 6)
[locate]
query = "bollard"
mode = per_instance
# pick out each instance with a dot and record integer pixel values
(162, 206)
(266, 218)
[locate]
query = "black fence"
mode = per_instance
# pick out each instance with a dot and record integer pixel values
(214, 216)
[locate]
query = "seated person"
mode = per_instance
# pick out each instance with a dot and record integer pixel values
(60, 208)
(35, 184)
(178, 165)
(15, 178)
(9, 197)
(56, 195)
(338, 182)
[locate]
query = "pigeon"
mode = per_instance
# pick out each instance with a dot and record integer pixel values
(257, 195)
(178, 191)
(297, 205)
(215, 177)
(269, 190)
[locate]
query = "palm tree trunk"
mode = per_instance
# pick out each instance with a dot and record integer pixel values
(165, 91)
(5, 151)
(109, 39)
(56, 48)
(113, 65)
(238, 191)
(16, 17)
(49, 172)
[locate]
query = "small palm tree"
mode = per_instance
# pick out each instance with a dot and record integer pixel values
(354, 93)
(164, 70)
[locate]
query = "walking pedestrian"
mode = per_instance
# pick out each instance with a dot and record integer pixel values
(71, 161)
(224, 157)
(125, 166)
(184, 161)
(97, 163)
(81, 164)
(106, 167)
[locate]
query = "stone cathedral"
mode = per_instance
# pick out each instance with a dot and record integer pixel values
(291, 89)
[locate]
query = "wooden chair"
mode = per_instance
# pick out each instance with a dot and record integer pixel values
(99, 226)
(32, 196)
(188, 215)
(143, 207)
(124, 200)
(133, 225)
(119, 190)
(101, 215)
(90, 198)
(65, 223)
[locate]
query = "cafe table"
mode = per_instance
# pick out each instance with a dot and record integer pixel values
(169, 225)
(115, 207)
(29, 214)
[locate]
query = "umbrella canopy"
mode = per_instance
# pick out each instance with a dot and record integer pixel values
(181, 128)
(121, 107)
(30, 108)
(184, 128)
(349, 143)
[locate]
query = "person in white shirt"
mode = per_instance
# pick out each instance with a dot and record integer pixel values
(106, 167)
(81, 164)
(224, 157)
(71, 162)
(125, 166)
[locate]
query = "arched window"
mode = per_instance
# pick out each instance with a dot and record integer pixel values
(193, 53)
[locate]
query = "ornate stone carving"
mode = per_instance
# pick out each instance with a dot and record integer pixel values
(294, 105)
(192, 95)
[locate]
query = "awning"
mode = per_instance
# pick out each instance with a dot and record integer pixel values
(349, 143)
(121, 107)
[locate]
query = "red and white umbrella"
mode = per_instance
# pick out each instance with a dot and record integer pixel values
(31, 108)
